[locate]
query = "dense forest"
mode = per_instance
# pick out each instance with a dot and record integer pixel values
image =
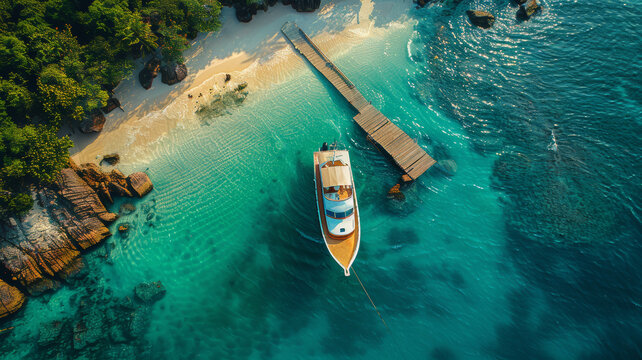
(59, 59)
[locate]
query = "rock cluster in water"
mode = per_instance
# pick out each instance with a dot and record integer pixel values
(101, 325)
(43, 248)
(527, 9)
(480, 18)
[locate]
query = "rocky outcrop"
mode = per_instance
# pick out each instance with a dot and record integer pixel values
(529, 9)
(96, 322)
(482, 19)
(140, 184)
(44, 247)
(112, 103)
(36, 252)
(173, 73)
(11, 299)
(148, 293)
(108, 185)
(93, 123)
(149, 72)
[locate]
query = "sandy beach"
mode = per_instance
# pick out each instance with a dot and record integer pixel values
(254, 52)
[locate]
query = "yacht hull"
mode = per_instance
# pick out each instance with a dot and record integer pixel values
(343, 249)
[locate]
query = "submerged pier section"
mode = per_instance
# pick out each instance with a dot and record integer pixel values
(403, 150)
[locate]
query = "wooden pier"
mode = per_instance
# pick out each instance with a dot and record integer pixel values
(393, 141)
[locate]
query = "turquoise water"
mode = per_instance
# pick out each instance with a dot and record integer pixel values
(530, 251)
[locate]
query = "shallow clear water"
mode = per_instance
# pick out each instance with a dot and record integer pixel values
(531, 250)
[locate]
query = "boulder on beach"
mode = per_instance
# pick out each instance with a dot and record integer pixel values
(11, 299)
(305, 5)
(149, 72)
(480, 18)
(94, 122)
(112, 103)
(149, 292)
(173, 73)
(527, 10)
(140, 183)
(111, 159)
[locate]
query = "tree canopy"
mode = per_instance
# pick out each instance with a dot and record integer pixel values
(59, 59)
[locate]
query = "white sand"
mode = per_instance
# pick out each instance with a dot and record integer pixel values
(256, 53)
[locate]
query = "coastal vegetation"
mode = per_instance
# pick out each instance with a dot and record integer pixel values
(60, 59)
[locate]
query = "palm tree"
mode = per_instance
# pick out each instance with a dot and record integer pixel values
(138, 35)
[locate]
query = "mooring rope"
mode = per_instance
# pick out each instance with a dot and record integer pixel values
(369, 298)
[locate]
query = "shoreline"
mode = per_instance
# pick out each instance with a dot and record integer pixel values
(254, 53)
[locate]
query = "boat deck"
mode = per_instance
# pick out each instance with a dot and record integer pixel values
(343, 249)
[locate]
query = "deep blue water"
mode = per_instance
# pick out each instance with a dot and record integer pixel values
(531, 250)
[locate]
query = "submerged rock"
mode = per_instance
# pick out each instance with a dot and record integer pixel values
(123, 229)
(11, 299)
(127, 208)
(149, 72)
(529, 9)
(449, 167)
(174, 73)
(149, 292)
(140, 183)
(93, 123)
(396, 194)
(50, 332)
(480, 18)
(421, 3)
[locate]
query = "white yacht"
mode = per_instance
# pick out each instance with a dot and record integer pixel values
(337, 205)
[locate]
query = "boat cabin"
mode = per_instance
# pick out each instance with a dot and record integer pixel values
(338, 200)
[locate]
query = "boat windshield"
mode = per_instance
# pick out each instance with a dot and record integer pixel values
(338, 193)
(339, 215)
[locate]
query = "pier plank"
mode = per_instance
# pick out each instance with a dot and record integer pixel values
(393, 141)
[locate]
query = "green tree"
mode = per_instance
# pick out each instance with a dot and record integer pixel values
(173, 44)
(17, 99)
(137, 35)
(13, 55)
